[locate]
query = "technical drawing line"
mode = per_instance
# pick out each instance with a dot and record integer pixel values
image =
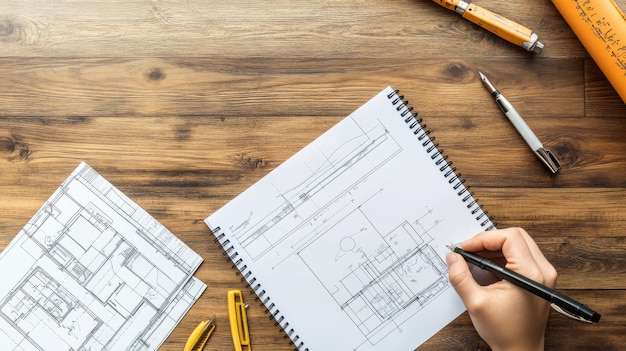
(329, 164)
(289, 208)
(318, 183)
(314, 234)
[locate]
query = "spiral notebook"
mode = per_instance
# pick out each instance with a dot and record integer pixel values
(345, 242)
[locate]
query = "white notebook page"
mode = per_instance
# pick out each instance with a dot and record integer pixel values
(345, 241)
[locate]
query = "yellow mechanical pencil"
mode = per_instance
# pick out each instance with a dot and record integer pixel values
(504, 28)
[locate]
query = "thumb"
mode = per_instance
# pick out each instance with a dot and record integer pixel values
(461, 278)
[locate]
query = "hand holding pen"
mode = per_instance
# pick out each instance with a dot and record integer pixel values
(504, 315)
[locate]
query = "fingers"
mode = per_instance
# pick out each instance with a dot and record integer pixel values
(520, 250)
(461, 278)
(499, 240)
(540, 259)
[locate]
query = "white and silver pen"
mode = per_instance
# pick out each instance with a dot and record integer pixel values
(531, 139)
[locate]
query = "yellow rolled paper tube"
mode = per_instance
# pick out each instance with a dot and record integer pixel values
(601, 28)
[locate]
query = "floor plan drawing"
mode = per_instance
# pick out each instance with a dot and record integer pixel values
(379, 280)
(93, 271)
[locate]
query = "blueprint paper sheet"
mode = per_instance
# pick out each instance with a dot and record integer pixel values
(345, 241)
(93, 271)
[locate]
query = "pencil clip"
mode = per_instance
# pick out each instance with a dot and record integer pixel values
(569, 315)
(238, 321)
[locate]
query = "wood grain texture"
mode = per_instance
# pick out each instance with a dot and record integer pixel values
(184, 104)
(240, 28)
(271, 87)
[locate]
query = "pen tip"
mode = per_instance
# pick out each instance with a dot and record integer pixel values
(488, 84)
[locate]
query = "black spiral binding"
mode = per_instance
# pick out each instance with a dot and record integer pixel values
(445, 166)
(255, 288)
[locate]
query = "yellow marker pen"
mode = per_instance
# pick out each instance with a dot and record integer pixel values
(504, 28)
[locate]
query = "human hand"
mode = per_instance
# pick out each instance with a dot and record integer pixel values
(504, 315)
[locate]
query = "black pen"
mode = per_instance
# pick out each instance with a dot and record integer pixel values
(572, 306)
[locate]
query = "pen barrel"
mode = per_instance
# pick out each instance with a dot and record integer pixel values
(531, 286)
(518, 122)
(503, 27)
(570, 305)
(449, 4)
(574, 307)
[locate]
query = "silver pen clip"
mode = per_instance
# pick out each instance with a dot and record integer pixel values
(569, 315)
(548, 159)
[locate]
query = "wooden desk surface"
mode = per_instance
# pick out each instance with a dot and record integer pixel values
(183, 105)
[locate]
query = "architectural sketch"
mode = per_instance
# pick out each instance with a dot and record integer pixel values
(345, 241)
(378, 276)
(314, 204)
(93, 271)
(378, 279)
